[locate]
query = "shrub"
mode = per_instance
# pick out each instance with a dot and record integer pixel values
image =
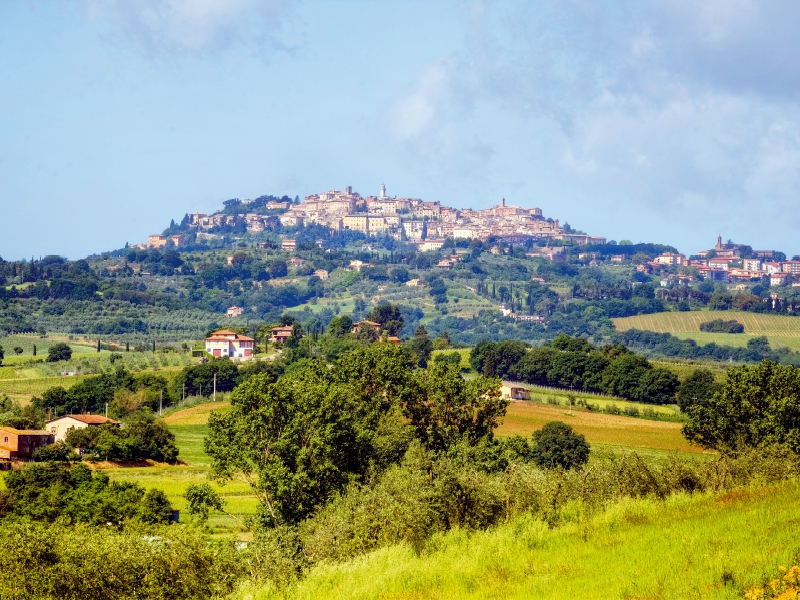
(59, 352)
(720, 326)
(557, 445)
(632, 411)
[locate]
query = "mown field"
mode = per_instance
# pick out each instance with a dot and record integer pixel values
(705, 546)
(189, 427)
(523, 418)
(780, 330)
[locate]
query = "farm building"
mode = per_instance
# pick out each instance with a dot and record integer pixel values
(514, 392)
(22, 443)
(60, 426)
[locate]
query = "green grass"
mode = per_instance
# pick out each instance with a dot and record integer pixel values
(618, 431)
(36, 387)
(27, 342)
(173, 480)
(684, 369)
(464, 352)
(702, 546)
(189, 439)
(7, 373)
(779, 329)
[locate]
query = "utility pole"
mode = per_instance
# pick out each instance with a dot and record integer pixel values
(161, 403)
(215, 387)
(183, 399)
(106, 410)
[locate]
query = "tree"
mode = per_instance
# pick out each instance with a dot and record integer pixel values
(557, 445)
(758, 406)
(48, 491)
(490, 365)
(2, 355)
(389, 316)
(340, 326)
(297, 440)
(446, 409)
(697, 388)
(199, 379)
(202, 499)
(657, 386)
(59, 352)
(421, 345)
(18, 350)
(278, 268)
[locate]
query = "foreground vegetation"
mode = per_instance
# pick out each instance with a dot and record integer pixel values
(702, 546)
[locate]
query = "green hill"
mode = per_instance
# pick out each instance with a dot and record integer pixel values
(779, 329)
(712, 546)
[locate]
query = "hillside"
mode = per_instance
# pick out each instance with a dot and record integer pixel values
(687, 547)
(780, 330)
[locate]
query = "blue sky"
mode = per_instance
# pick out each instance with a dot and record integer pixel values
(653, 121)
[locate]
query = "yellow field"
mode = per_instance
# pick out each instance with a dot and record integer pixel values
(780, 330)
(524, 418)
(196, 415)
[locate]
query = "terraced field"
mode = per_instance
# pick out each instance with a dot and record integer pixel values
(781, 330)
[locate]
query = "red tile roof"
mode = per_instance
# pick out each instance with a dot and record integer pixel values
(88, 419)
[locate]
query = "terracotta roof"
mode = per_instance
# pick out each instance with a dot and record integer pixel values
(222, 331)
(25, 431)
(88, 419)
(225, 338)
(367, 322)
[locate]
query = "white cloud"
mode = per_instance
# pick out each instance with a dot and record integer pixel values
(188, 26)
(683, 105)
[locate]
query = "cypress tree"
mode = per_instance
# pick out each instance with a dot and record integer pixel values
(127, 347)
(98, 345)
(489, 367)
(34, 349)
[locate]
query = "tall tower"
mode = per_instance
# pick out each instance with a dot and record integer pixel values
(719, 242)
(503, 202)
(383, 191)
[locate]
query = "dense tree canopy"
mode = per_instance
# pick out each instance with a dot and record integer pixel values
(302, 438)
(759, 405)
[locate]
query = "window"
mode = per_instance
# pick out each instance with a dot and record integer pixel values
(5, 439)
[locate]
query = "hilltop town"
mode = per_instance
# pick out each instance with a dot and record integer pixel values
(427, 224)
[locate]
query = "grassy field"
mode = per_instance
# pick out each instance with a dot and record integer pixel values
(464, 352)
(780, 330)
(709, 547)
(684, 369)
(189, 427)
(523, 418)
(35, 387)
(27, 342)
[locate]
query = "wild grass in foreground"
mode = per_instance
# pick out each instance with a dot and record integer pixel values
(702, 546)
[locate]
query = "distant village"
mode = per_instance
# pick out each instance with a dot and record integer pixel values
(429, 224)
(729, 263)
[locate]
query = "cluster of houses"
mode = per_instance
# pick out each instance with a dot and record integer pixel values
(21, 444)
(726, 264)
(412, 219)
